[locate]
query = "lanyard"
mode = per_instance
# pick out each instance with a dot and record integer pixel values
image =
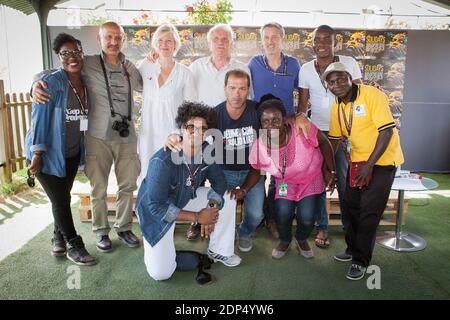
(316, 65)
(82, 106)
(348, 126)
(275, 73)
(113, 113)
(349, 123)
(284, 164)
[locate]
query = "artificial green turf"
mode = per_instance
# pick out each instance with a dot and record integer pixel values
(31, 273)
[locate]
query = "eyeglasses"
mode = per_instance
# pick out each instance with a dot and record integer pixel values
(191, 128)
(68, 54)
(337, 81)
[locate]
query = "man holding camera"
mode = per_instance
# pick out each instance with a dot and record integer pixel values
(111, 138)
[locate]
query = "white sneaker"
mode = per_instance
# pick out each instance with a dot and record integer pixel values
(308, 254)
(230, 261)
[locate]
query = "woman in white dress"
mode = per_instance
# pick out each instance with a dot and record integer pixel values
(167, 84)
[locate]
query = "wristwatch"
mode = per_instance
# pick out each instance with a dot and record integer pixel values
(195, 222)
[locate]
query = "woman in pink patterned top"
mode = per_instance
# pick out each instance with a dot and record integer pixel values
(303, 168)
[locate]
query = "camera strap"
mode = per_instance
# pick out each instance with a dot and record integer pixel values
(113, 113)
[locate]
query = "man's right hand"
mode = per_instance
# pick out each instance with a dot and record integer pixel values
(152, 55)
(173, 142)
(39, 94)
(303, 125)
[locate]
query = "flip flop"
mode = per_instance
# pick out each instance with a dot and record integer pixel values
(323, 243)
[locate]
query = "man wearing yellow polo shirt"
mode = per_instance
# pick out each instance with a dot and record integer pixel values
(361, 118)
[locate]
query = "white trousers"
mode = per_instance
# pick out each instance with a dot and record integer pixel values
(160, 259)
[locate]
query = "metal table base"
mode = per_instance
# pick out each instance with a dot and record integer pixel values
(398, 240)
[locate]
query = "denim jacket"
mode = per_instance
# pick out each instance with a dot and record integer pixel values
(48, 126)
(163, 193)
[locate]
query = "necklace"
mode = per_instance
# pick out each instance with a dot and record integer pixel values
(190, 180)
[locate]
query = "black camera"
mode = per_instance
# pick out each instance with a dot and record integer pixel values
(122, 127)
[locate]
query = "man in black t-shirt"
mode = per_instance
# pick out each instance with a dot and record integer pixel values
(237, 119)
(238, 123)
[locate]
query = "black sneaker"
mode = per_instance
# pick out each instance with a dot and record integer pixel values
(78, 254)
(128, 238)
(58, 247)
(104, 243)
(356, 272)
(343, 257)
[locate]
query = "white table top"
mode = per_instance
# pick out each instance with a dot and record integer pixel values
(414, 183)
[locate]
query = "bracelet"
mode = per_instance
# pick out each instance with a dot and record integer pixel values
(302, 114)
(195, 222)
(243, 189)
(333, 172)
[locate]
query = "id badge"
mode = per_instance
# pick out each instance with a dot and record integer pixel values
(83, 124)
(282, 189)
(348, 146)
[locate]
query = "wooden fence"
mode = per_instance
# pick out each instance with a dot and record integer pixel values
(15, 114)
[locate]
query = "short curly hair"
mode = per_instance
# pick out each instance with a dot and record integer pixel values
(189, 110)
(64, 38)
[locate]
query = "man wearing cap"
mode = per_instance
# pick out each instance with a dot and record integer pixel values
(313, 91)
(361, 119)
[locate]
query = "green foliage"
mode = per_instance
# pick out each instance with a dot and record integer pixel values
(18, 184)
(81, 177)
(91, 19)
(203, 12)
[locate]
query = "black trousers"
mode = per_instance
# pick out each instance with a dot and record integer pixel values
(365, 207)
(58, 191)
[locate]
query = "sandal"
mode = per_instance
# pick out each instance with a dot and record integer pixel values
(323, 243)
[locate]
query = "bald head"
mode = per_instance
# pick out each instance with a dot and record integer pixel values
(110, 25)
(111, 37)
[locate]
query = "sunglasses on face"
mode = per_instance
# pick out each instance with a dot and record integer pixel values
(192, 128)
(68, 54)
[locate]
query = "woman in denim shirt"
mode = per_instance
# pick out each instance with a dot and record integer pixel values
(171, 192)
(55, 145)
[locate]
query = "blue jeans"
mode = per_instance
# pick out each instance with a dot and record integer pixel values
(341, 174)
(270, 213)
(321, 214)
(253, 201)
(306, 214)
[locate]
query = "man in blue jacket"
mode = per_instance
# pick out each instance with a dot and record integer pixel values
(171, 192)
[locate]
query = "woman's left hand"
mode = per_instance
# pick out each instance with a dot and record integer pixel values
(36, 164)
(330, 179)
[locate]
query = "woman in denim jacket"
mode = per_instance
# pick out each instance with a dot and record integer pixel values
(55, 146)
